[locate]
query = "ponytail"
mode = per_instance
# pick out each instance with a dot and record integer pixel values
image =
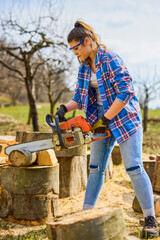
(82, 30)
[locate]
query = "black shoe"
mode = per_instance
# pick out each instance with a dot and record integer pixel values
(150, 228)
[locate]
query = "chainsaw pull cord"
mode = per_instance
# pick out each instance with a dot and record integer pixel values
(96, 139)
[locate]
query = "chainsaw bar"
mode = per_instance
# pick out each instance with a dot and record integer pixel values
(34, 146)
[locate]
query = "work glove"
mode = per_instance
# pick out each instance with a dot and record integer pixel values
(61, 112)
(101, 125)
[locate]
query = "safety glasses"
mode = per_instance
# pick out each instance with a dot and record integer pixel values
(74, 48)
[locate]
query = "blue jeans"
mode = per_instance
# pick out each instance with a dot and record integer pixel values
(131, 152)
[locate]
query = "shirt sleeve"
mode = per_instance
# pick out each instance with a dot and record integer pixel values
(121, 80)
(76, 97)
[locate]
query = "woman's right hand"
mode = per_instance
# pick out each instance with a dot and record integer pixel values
(61, 112)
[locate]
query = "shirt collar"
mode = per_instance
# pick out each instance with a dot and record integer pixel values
(98, 57)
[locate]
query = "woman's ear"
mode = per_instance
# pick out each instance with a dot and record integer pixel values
(87, 41)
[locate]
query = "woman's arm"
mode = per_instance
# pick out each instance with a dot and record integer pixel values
(116, 107)
(71, 105)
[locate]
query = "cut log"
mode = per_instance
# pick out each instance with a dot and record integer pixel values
(137, 208)
(47, 158)
(5, 203)
(22, 158)
(34, 191)
(156, 175)
(34, 207)
(149, 167)
(73, 175)
(30, 180)
(116, 155)
(91, 224)
(23, 137)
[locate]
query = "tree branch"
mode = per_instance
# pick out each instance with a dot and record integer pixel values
(10, 68)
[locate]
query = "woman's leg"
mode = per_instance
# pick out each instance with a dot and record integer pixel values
(100, 152)
(131, 151)
(99, 156)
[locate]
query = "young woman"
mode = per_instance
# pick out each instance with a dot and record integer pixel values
(105, 92)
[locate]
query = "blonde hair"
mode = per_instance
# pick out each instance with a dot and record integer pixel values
(82, 30)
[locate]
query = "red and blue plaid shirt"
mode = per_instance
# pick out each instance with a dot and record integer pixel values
(114, 82)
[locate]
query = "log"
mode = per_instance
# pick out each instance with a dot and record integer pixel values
(22, 158)
(156, 175)
(73, 175)
(34, 191)
(30, 180)
(5, 203)
(34, 207)
(116, 155)
(47, 158)
(23, 137)
(137, 208)
(149, 167)
(91, 224)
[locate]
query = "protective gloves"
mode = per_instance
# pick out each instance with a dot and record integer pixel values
(101, 125)
(61, 112)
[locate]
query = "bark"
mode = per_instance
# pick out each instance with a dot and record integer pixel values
(92, 224)
(156, 175)
(22, 158)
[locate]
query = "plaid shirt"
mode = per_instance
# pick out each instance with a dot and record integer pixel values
(114, 82)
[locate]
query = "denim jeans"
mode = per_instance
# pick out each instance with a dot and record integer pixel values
(131, 152)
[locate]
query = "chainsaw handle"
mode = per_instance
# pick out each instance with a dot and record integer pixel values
(59, 131)
(50, 122)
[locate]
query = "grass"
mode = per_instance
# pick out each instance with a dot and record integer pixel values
(151, 141)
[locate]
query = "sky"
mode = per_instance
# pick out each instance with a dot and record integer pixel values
(130, 28)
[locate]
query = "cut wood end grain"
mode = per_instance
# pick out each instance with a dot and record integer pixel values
(47, 158)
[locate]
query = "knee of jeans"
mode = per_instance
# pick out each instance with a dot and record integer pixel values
(93, 168)
(135, 171)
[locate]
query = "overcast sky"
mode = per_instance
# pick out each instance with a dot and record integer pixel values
(129, 27)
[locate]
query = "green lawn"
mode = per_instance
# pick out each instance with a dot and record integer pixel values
(151, 141)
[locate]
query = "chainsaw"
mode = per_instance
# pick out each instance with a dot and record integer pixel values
(69, 134)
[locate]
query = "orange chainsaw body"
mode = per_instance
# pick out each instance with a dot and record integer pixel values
(76, 122)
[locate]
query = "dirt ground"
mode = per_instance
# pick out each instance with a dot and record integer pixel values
(116, 192)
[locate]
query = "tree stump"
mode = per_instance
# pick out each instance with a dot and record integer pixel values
(156, 175)
(31, 189)
(149, 167)
(73, 170)
(90, 224)
(22, 157)
(137, 208)
(116, 155)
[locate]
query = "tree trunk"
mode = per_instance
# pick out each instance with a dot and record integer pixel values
(92, 224)
(137, 208)
(32, 104)
(145, 118)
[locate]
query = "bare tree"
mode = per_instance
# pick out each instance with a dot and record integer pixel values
(148, 90)
(53, 77)
(32, 39)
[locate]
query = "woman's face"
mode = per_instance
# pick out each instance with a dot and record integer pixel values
(84, 50)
